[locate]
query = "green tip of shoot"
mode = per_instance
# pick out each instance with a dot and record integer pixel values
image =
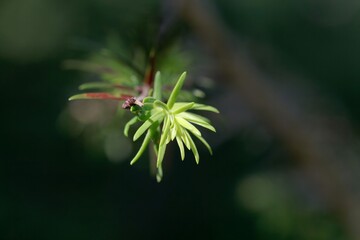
(175, 92)
(157, 86)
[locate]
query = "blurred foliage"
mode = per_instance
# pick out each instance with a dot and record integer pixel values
(118, 72)
(57, 187)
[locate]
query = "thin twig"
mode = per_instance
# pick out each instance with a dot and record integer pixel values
(306, 146)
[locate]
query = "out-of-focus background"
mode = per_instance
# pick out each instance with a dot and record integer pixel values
(284, 75)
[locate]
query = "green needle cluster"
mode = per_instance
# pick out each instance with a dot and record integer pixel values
(165, 122)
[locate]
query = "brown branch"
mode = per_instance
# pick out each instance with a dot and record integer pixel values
(305, 145)
(150, 71)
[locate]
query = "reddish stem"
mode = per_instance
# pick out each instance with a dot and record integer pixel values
(102, 95)
(150, 71)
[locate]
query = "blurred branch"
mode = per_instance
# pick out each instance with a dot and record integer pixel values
(310, 148)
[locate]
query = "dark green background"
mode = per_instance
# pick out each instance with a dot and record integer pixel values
(52, 188)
